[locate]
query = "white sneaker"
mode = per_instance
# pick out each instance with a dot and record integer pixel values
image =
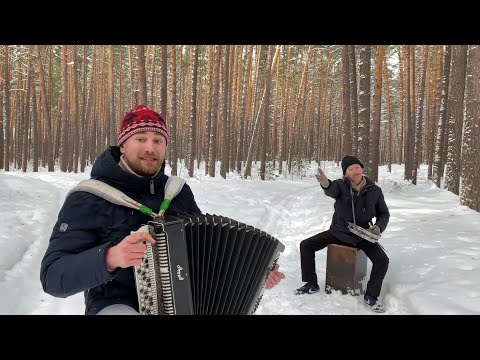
(373, 304)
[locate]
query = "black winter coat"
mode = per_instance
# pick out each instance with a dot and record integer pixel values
(369, 203)
(87, 224)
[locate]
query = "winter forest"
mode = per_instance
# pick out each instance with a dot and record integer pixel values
(279, 105)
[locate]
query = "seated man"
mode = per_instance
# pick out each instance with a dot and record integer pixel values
(354, 191)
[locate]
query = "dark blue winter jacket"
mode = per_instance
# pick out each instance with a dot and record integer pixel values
(369, 203)
(87, 224)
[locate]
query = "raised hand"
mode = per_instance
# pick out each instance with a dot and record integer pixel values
(322, 179)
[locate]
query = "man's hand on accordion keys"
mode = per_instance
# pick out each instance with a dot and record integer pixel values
(274, 277)
(129, 252)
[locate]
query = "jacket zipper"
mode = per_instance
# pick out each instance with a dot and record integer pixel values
(152, 187)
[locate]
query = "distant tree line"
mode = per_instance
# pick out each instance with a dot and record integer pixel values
(236, 104)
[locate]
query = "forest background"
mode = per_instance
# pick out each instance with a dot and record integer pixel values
(283, 106)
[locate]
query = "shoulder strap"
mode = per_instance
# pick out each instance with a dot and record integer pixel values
(172, 188)
(111, 194)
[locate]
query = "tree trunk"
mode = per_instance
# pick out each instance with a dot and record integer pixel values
(265, 125)
(112, 121)
(419, 119)
(192, 139)
(224, 120)
(26, 127)
(269, 74)
(163, 77)
(440, 159)
(6, 94)
(377, 114)
(364, 107)
(35, 131)
(347, 109)
(470, 194)
(46, 111)
(173, 113)
(142, 76)
(455, 117)
(389, 115)
(353, 98)
(215, 112)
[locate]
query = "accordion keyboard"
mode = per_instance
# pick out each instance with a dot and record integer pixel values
(156, 258)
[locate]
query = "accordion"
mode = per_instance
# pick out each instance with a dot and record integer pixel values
(204, 265)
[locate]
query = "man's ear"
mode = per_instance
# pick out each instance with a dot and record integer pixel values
(122, 149)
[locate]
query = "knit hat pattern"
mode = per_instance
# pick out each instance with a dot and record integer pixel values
(140, 119)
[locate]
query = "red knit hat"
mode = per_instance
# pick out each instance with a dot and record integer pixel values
(142, 119)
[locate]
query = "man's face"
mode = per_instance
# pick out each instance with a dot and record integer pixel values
(144, 152)
(354, 173)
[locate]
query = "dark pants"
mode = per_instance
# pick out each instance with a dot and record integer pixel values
(374, 252)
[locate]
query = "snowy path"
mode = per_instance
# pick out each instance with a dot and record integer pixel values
(29, 223)
(434, 263)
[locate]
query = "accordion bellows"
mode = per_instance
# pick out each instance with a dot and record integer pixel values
(204, 265)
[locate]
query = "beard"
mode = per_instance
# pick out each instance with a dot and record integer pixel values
(144, 168)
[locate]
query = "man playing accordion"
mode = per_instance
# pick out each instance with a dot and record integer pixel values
(94, 244)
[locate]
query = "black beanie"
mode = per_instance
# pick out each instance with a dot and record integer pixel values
(350, 160)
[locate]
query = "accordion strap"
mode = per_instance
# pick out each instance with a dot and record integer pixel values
(173, 186)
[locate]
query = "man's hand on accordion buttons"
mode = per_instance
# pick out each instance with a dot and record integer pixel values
(274, 277)
(129, 252)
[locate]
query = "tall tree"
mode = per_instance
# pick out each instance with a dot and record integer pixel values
(35, 131)
(208, 106)
(402, 100)
(410, 119)
(353, 97)
(364, 106)
(45, 111)
(441, 143)
(173, 112)
(192, 139)
(470, 193)
(266, 114)
(435, 110)
(163, 77)
(389, 114)
(268, 77)
(76, 110)
(142, 76)
(347, 110)
(133, 93)
(455, 117)
(2, 98)
(283, 113)
(26, 127)
(6, 94)
(377, 112)
(215, 112)
(64, 149)
(224, 120)
(243, 113)
(112, 133)
(87, 96)
(419, 118)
